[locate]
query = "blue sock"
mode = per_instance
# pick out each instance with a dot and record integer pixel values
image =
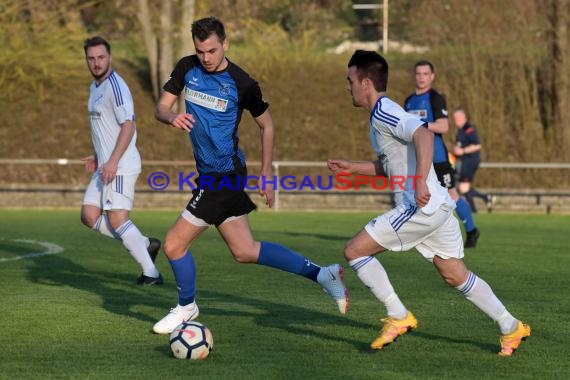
(464, 213)
(184, 271)
(280, 257)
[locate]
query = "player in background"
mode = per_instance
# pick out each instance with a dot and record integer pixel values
(431, 107)
(423, 215)
(116, 163)
(467, 148)
(216, 92)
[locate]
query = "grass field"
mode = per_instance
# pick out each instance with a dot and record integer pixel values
(78, 315)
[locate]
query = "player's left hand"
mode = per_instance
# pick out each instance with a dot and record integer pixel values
(422, 193)
(267, 190)
(109, 171)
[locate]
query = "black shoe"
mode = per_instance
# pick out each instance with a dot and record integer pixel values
(472, 237)
(153, 248)
(146, 280)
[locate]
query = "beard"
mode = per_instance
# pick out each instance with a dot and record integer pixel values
(101, 74)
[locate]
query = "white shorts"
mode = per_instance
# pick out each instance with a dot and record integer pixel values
(117, 195)
(406, 227)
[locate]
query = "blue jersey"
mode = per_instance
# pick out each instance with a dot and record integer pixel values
(217, 101)
(430, 106)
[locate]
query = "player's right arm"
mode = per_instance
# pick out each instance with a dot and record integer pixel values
(164, 113)
(356, 167)
(439, 110)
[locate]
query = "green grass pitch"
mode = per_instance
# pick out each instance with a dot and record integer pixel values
(78, 315)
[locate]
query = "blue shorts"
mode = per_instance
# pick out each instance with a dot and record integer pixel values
(467, 170)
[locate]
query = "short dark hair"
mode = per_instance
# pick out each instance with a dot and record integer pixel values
(424, 62)
(205, 27)
(370, 64)
(96, 41)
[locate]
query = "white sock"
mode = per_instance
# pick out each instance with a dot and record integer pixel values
(373, 275)
(104, 227)
(476, 290)
(136, 243)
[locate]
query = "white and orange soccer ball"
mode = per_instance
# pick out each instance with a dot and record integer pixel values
(191, 340)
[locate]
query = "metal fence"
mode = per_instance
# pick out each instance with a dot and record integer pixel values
(280, 166)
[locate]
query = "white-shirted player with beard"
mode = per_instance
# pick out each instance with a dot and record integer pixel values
(423, 216)
(116, 163)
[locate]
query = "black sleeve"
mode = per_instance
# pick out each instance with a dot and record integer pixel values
(253, 100)
(438, 106)
(175, 83)
(250, 96)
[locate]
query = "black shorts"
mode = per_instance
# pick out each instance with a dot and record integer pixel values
(214, 202)
(467, 170)
(445, 174)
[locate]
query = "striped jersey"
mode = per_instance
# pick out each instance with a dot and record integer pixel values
(110, 105)
(391, 133)
(430, 106)
(217, 101)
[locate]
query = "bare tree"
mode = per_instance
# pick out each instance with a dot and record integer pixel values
(150, 43)
(552, 75)
(187, 12)
(160, 49)
(165, 49)
(185, 46)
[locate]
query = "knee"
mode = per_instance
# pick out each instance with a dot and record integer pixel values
(245, 253)
(172, 249)
(464, 188)
(88, 219)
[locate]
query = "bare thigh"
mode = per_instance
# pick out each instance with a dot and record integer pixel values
(239, 239)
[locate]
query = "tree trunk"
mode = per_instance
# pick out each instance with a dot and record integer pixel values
(186, 47)
(150, 44)
(166, 52)
(554, 92)
(562, 74)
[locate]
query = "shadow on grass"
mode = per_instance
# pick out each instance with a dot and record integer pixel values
(118, 292)
(483, 346)
(319, 236)
(120, 296)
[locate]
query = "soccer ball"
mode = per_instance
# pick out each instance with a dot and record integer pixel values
(191, 340)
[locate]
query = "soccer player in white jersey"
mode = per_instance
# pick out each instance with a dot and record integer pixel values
(116, 163)
(423, 215)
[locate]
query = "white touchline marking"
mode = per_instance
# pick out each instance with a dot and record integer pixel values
(51, 249)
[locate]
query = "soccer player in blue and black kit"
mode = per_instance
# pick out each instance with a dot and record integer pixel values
(431, 107)
(216, 92)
